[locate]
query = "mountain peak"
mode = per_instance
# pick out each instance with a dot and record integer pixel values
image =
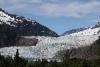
(2, 10)
(5, 18)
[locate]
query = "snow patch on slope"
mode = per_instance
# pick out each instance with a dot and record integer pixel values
(11, 20)
(4, 18)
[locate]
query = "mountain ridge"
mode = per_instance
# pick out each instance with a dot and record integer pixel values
(13, 27)
(94, 30)
(25, 26)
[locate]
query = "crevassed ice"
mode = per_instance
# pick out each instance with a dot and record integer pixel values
(47, 47)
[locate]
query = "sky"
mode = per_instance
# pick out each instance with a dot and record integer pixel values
(58, 15)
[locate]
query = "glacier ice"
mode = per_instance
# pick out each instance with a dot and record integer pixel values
(47, 47)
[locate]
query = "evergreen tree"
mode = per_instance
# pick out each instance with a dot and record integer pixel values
(16, 58)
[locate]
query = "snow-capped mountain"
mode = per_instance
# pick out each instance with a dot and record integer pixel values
(48, 47)
(74, 31)
(35, 41)
(23, 26)
(95, 30)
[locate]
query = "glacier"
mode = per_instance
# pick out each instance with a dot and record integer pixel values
(47, 47)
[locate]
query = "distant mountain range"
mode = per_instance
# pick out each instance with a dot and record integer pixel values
(73, 31)
(95, 30)
(36, 41)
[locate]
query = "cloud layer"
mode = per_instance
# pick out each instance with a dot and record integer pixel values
(74, 9)
(56, 8)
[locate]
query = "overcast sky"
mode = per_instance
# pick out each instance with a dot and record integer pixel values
(58, 15)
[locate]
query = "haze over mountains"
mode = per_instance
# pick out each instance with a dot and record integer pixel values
(36, 41)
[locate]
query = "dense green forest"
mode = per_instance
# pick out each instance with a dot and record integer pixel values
(20, 62)
(66, 62)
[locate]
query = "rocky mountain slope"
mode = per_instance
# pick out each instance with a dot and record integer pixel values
(13, 26)
(23, 26)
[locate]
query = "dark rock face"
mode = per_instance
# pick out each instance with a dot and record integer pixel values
(21, 41)
(7, 36)
(26, 27)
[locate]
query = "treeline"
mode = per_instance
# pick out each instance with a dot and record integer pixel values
(67, 62)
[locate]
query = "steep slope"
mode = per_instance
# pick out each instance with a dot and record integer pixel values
(23, 26)
(7, 36)
(12, 27)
